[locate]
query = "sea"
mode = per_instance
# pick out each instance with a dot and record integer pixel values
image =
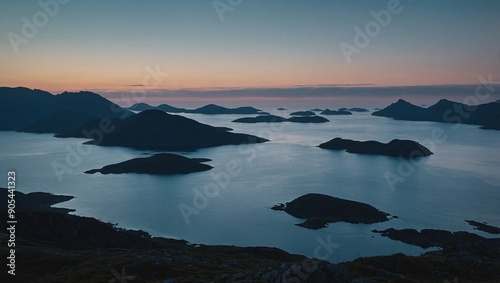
(230, 204)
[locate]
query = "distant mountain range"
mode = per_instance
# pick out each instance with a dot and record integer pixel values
(210, 109)
(37, 111)
(486, 115)
(163, 107)
(89, 115)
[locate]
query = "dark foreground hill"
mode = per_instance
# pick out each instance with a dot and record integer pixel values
(486, 115)
(38, 111)
(53, 246)
(155, 129)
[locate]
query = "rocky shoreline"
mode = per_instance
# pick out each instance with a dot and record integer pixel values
(58, 247)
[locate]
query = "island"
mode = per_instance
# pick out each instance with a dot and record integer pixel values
(261, 119)
(334, 112)
(303, 113)
(157, 130)
(445, 111)
(278, 119)
(319, 210)
(308, 119)
(158, 164)
(212, 109)
(396, 148)
(354, 109)
(316, 110)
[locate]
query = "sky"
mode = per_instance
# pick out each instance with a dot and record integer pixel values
(231, 50)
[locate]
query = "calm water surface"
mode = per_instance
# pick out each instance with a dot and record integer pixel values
(461, 181)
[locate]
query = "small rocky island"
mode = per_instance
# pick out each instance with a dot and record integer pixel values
(278, 119)
(159, 164)
(319, 210)
(401, 148)
(355, 109)
(303, 113)
(308, 119)
(261, 119)
(335, 112)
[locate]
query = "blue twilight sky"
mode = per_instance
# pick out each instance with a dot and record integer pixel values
(110, 45)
